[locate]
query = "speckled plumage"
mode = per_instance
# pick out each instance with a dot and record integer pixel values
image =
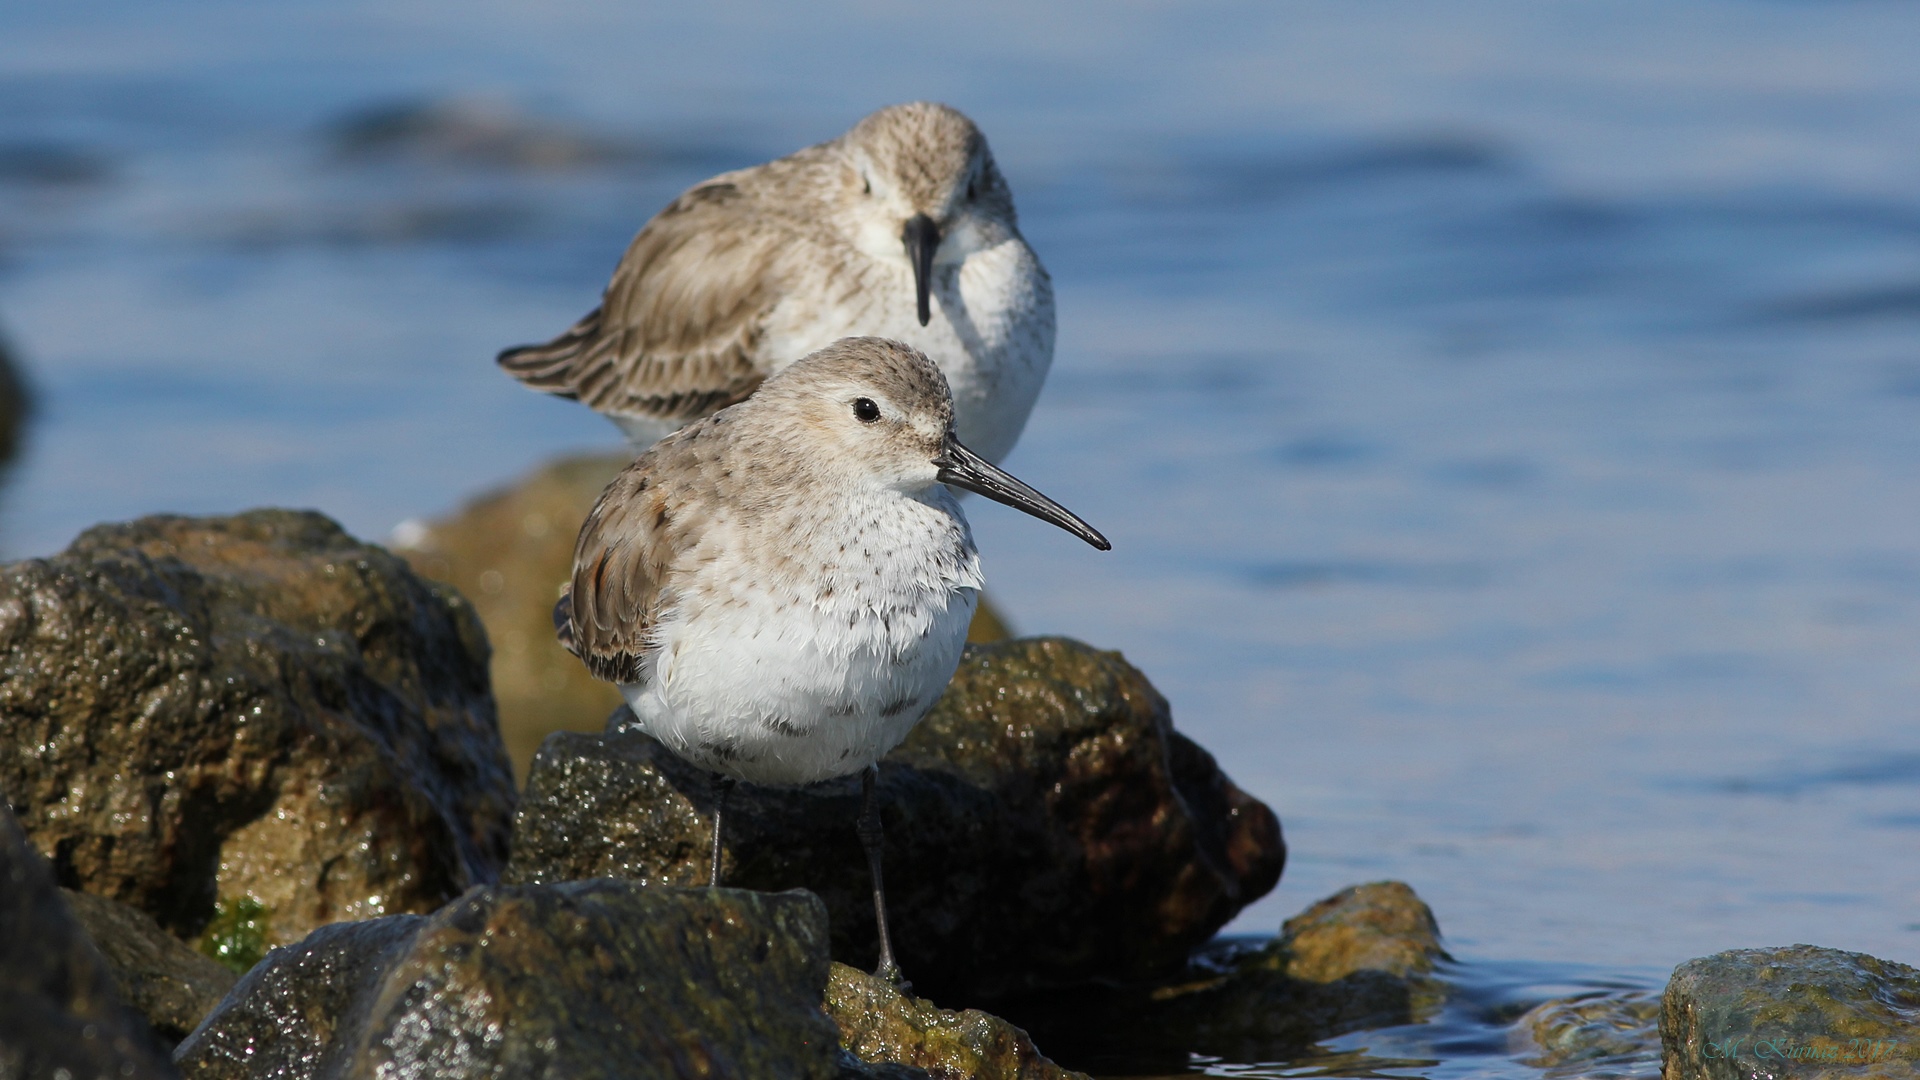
(748, 271)
(781, 590)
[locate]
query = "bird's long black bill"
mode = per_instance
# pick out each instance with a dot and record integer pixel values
(922, 238)
(962, 468)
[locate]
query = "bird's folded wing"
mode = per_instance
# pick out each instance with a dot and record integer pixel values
(619, 565)
(676, 334)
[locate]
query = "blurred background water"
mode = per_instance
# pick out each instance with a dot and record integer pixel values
(1505, 414)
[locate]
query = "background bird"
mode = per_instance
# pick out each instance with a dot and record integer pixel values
(902, 228)
(781, 591)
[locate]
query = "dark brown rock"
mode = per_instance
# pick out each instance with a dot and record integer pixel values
(1362, 958)
(583, 980)
(164, 980)
(59, 1014)
(1800, 1011)
(881, 1025)
(1046, 826)
(510, 551)
(221, 711)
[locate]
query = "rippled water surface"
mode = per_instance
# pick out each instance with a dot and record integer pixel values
(1507, 416)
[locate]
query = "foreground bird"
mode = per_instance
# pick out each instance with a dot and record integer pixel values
(781, 591)
(902, 227)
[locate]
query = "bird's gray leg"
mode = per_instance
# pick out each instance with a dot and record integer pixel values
(722, 785)
(868, 826)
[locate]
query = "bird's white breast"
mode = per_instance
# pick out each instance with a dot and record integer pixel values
(812, 662)
(991, 330)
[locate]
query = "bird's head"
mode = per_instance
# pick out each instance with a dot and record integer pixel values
(877, 412)
(923, 187)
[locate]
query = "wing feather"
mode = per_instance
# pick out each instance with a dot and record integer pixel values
(619, 566)
(678, 332)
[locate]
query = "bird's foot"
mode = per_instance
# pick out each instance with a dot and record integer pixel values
(889, 972)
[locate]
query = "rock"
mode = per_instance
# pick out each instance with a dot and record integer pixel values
(170, 984)
(510, 551)
(1045, 825)
(297, 1014)
(1800, 1011)
(1615, 1034)
(59, 1015)
(1362, 958)
(254, 713)
(1379, 927)
(880, 1025)
(15, 402)
(585, 979)
(469, 132)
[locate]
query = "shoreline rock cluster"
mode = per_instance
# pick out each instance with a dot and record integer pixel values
(259, 740)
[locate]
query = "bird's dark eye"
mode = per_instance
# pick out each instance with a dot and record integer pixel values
(865, 411)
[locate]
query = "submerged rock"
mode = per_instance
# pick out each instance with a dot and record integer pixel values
(585, 979)
(1800, 1011)
(510, 551)
(1362, 958)
(881, 1025)
(170, 984)
(470, 132)
(1045, 826)
(255, 712)
(59, 1015)
(1614, 1034)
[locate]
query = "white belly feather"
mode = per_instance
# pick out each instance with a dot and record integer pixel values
(991, 333)
(778, 685)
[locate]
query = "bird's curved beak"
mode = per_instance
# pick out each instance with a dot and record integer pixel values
(962, 468)
(922, 238)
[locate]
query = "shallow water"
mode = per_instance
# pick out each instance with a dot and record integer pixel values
(1504, 414)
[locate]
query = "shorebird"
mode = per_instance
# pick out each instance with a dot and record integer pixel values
(781, 590)
(903, 228)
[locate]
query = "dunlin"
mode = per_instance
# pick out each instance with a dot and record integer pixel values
(903, 227)
(781, 590)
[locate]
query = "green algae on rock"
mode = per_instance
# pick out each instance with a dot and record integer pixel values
(59, 1012)
(1800, 1011)
(237, 936)
(1045, 826)
(197, 711)
(159, 975)
(881, 1025)
(585, 979)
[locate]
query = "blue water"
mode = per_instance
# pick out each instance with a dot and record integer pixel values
(1506, 415)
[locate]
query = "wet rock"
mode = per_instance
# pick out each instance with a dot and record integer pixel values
(208, 714)
(880, 1025)
(1045, 826)
(59, 1015)
(1797, 1011)
(510, 551)
(1362, 958)
(1615, 1034)
(585, 979)
(170, 984)
(1382, 926)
